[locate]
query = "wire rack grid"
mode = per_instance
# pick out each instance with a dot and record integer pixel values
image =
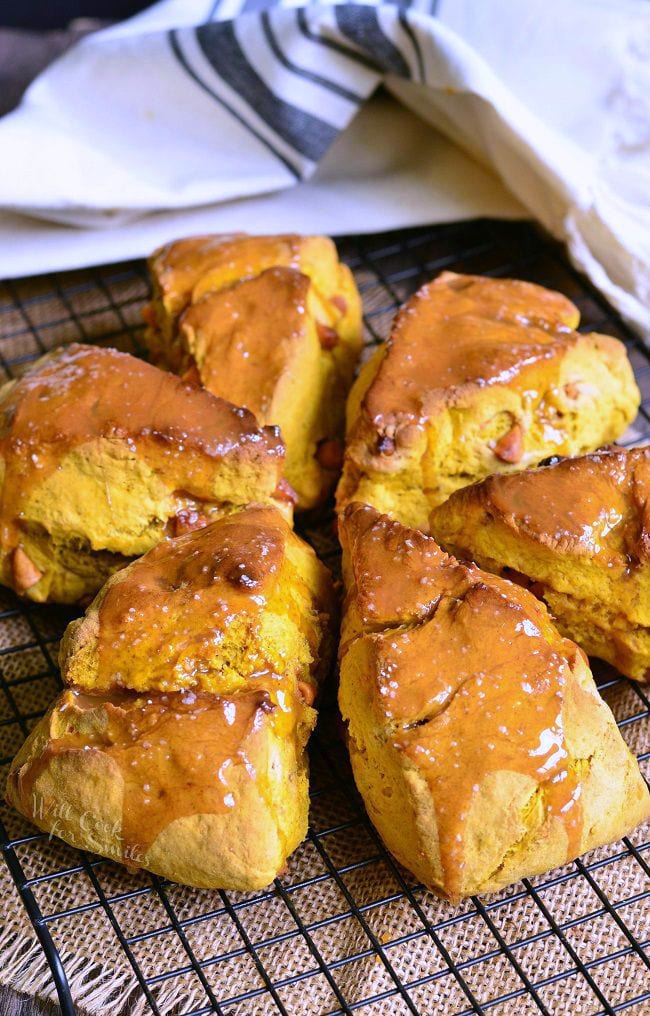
(345, 929)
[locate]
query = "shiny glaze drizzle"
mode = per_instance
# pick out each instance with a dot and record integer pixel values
(479, 710)
(169, 612)
(178, 755)
(245, 336)
(420, 571)
(465, 330)
(84, 393)
(591, 506)
(470, 675)
(183, 265)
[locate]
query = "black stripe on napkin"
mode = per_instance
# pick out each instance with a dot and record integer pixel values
(406, 25)
(180, 57)
(307, 133)
(332, 44)
(360, 24)
(303, 72)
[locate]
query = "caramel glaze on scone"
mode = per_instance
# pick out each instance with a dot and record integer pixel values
(272, 323)
(180, 744)
(578, 534)
(479, 742)
(102, 455)
(479, 376)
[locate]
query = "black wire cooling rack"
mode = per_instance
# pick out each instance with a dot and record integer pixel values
(345, 929)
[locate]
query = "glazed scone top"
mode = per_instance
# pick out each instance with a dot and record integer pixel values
(230, 336)
(271, 322)
(419, 570)
(202, 745)
(185, 662)
(462, 720)
(595, 506)
(461, 331)
(84, 393)
(185, 270)
(238, 600)
(177, 266)
(174, 603)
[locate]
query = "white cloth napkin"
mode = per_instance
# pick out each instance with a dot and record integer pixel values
(387, 170)
(217, 115)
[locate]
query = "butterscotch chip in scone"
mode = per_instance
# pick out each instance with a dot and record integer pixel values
(272, 323)
(478, 740)
(179, 745)
(103, 455)
(577, 532)
(479, 376)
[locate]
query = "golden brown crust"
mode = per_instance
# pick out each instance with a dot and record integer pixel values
(478, 739)
(578, 532)
(179, 746)
(479, 376)
(99, 450)
(274, 323)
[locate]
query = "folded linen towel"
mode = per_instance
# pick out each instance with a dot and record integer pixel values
(196, 103)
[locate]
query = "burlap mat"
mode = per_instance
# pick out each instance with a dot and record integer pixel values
(345, 926)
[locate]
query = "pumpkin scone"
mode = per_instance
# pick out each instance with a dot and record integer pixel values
(179, 745)
(577, 532)
(272, 323)
(479, 376)
(103, 455)
(478, 740)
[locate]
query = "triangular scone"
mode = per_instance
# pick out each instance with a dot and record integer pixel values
(180, 744)
(103, 455)
(578, 533)
(479, 742)
(274, 324)
(479, 376)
